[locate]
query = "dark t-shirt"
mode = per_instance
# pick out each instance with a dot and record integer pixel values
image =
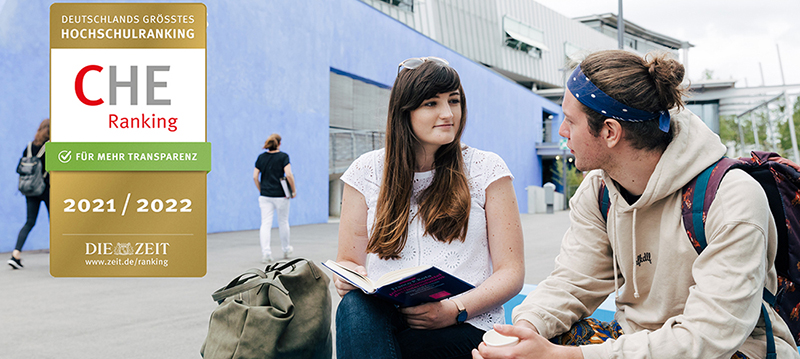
(271, 166)
(34, 151)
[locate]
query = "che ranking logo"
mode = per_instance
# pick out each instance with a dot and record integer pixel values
(116, 121)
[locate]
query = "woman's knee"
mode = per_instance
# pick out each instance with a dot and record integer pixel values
(357, 307)
(351, 306)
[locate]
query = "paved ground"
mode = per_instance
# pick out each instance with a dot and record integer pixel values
(44, 317)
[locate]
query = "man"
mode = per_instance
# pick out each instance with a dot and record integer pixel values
(624, 119)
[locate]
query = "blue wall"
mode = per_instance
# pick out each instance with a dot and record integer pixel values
(268, 71)
(24, 103)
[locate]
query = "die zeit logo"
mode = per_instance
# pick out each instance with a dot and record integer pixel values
(121, 122)
(126, 249)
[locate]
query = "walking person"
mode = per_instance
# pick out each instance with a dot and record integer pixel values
(426, 199)
(32, 203)
(272, 166)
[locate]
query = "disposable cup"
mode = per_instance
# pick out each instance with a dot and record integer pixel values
(495, 339)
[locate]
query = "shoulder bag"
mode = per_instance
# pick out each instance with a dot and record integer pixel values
(282, 312)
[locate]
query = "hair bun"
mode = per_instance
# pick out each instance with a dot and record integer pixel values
(667, 74)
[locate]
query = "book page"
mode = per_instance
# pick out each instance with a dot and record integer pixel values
(398, 275)
(351, 276)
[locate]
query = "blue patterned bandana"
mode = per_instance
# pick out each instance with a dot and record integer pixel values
(591, 96)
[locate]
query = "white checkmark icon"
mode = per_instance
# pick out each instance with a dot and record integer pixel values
(65, 156)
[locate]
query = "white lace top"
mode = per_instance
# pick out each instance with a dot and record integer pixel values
(468, 260)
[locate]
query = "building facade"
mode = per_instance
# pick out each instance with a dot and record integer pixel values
(521, 39)
(319, 74)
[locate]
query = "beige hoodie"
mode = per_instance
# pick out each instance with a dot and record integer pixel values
(671, 303)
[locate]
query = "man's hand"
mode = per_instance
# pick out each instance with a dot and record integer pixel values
(432, 315)
(531, 345)
(526, 324)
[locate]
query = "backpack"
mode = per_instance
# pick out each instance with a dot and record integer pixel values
(31, 178)
(780, 180)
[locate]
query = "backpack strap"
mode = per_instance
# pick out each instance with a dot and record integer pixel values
(41, 151)
(697, 197)
(603, 200)
(30, 153)
(770, 299)
(40, 154)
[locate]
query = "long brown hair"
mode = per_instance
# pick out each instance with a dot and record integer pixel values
(445, 204)
(42, 133)
(652, 83)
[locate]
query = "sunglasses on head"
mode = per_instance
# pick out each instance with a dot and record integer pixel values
(415, 62)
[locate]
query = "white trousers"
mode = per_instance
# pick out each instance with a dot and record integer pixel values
(268, 206)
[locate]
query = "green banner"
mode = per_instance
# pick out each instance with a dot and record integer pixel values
(128, 156)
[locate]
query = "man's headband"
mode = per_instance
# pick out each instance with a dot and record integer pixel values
(591, 96)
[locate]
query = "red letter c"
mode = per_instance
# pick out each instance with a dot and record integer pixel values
(79, 85)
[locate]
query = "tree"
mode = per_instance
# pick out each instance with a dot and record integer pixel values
(574, 177)
(708, 74)
(783, 129)
(729, 131)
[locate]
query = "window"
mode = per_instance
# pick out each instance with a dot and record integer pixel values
(358, 112)
(522, 37)
(407, 5)
(547, 127)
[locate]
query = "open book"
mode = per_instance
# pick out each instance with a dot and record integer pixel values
(405, 287)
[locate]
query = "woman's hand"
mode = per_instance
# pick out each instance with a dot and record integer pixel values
(343, 286)
(433, 315)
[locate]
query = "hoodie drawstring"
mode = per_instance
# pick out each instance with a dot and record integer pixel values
(612, 227)
(633, 231)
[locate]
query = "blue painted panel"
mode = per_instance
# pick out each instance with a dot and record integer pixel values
(24, 103)
(603, 313)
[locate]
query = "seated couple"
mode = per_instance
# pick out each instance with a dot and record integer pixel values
(426, 199)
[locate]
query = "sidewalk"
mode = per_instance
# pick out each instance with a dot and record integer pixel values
(45, 317)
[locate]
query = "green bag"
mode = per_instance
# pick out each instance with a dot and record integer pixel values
(282, 312)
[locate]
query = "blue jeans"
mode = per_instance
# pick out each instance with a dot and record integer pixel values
(367, 327)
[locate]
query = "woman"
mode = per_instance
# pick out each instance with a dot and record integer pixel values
(273, 165)
(37, 148)
(427, 200)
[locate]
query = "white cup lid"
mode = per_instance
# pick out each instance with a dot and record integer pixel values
(495, 339)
